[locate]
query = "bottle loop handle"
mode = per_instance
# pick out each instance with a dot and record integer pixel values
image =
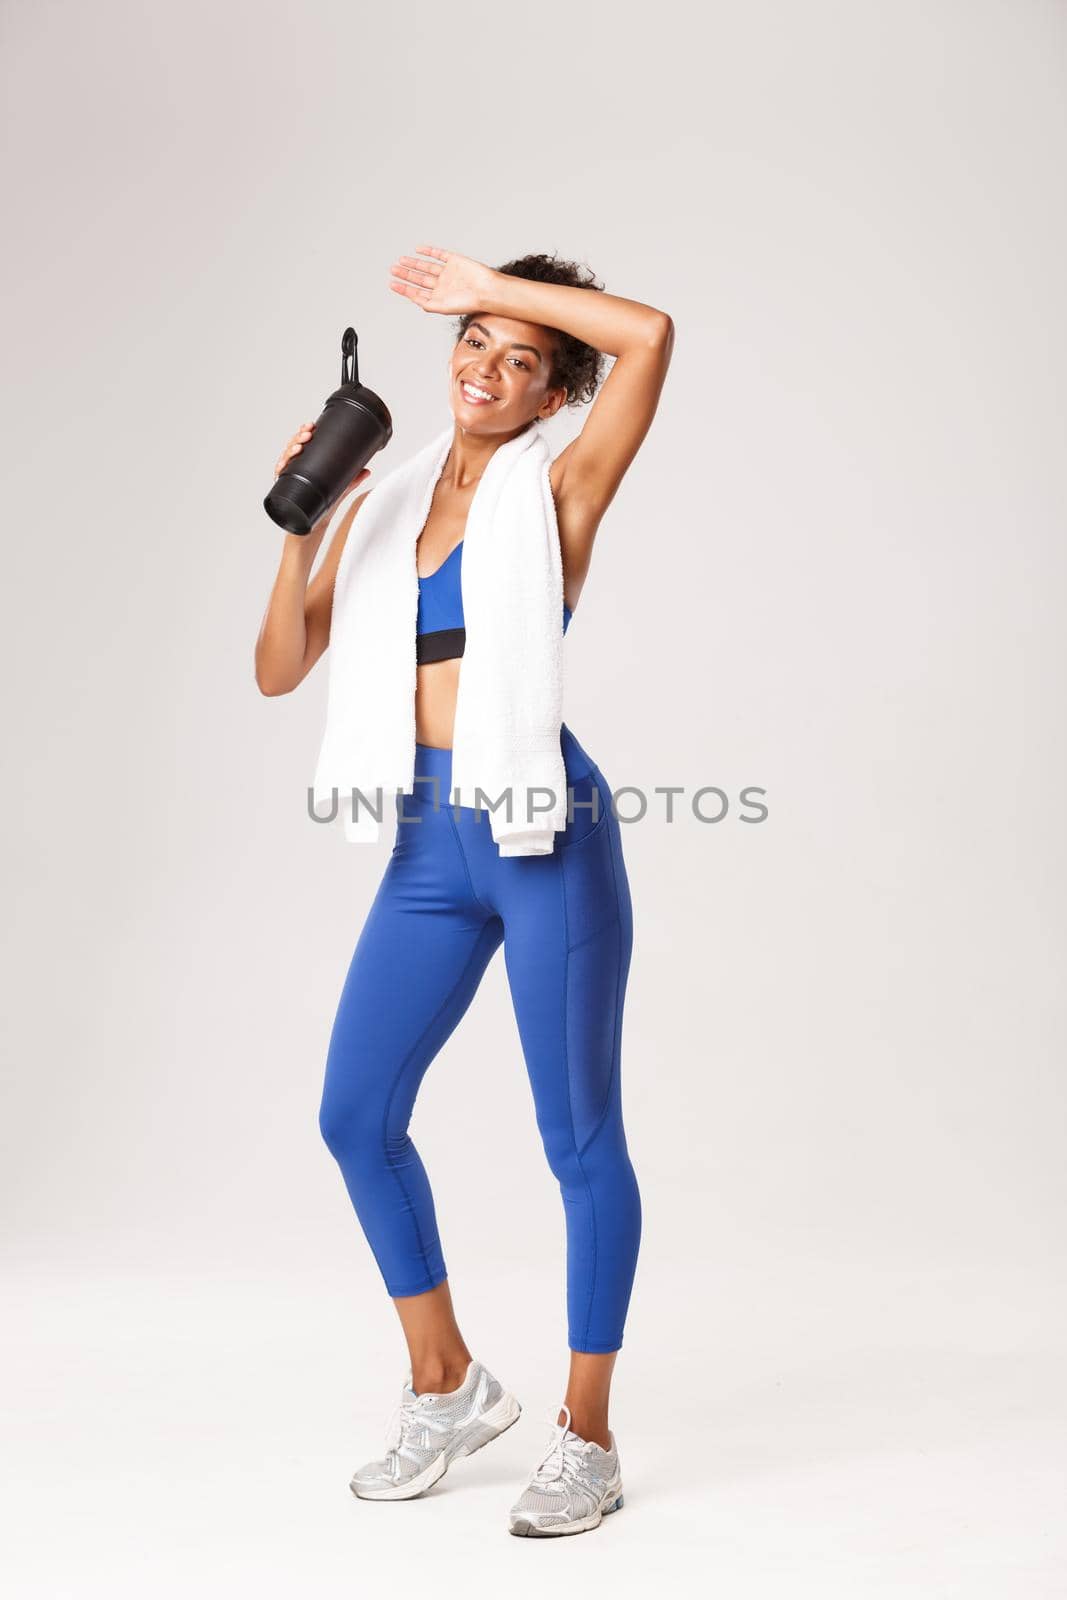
(349, 341)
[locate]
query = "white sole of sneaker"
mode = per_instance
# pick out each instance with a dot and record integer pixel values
(523, 1528)
(489, 1426)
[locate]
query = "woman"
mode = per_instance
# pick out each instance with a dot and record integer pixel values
(531, 338)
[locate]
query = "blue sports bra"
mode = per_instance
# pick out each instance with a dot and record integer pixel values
(440, 634)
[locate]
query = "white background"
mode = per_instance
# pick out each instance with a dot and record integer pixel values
(835, 570)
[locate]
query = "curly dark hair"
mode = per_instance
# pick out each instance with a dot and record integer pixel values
(577, 367)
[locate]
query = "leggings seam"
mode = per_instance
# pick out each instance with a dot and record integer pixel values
(394, 1169)
(570, 1106)
(618, 1008)
(603, 813)
(597, 933)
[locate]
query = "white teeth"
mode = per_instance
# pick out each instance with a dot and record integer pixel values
(480, 394)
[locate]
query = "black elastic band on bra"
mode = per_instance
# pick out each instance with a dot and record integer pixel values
(443, 644)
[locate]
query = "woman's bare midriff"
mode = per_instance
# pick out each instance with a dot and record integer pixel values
(436, 687)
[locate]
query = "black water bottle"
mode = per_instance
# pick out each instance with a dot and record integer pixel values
(354, 424)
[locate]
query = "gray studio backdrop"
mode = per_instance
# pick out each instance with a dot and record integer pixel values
(835, 572)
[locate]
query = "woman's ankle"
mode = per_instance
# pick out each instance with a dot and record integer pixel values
(592, 1425)
(439, 1374)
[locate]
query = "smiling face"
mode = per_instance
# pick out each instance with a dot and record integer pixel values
(499, 375)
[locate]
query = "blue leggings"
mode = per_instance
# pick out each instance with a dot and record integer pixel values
(446, 901)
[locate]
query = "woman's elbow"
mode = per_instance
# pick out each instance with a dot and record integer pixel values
(666, 333)
(271, 684)
(661, 334)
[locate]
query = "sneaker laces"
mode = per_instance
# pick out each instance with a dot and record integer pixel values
(408, 1415)
(564, 1456)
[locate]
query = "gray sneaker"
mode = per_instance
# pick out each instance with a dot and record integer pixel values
(427, 1432)
(575, 1484)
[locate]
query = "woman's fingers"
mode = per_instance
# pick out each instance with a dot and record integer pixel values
(294, 445)
(414, 270)
(414, 279)
(418, 280)
(410, 290)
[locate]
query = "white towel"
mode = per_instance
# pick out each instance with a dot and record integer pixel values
(506, 740)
